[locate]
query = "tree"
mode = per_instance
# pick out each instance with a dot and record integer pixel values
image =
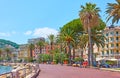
(83, 40)
(98, 39)
(0, 52)
(8, 53)
(68, 36)
(51, 38)
(60, 41)
(113, 11)
(75, 25)
(31, 48)
(40, 44)
(89, 17)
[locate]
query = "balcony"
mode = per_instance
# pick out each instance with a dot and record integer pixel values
(111, 47)
(105, 55)
(111, 41)
(117, 40)
(111, 55)
(103, 49)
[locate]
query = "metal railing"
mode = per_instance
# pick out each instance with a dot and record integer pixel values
(30, 72)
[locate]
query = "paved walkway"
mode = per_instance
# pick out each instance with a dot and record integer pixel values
(58, 71)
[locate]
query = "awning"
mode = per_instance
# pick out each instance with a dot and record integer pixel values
(113, 59)
(98, 59)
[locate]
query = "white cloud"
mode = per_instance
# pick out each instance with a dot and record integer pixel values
(28, 33)
(44, 32)
(7, 34)
(2, 34)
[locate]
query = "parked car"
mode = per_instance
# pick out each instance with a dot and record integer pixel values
(104, 65)
(76, 64)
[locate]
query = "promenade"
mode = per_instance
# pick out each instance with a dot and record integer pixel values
(58, 71)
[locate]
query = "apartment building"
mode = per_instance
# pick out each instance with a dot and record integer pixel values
(35, 40)
(112, 44)
(23, 52)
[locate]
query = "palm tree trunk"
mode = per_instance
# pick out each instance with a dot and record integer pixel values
(73, 53)
(88, 54)
(69, 53)
(82, 53)
(90, 45)
(51, 45)
(93, 58)
(30, 52)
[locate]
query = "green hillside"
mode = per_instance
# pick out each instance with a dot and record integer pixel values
(7, 42)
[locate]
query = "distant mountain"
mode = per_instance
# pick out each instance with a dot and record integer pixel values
(4, 43)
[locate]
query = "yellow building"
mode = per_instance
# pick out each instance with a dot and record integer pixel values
(23, 52)
(112, 44)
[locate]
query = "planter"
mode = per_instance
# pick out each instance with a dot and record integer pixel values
(45, 63)
(65, 62)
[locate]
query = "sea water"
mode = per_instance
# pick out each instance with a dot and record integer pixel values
(5, 69)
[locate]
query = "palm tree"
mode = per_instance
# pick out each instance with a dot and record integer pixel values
(75, 44)
(51, 38)
(68, 36)
(31, 48)
(0, 52)
(83, 40)
(113, 11)
(59, 41)
(40, 44)
(98, 39)
(8, 53)
(90, 18)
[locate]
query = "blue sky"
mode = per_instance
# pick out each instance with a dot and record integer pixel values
(24, 19)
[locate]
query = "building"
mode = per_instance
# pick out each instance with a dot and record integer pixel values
(23, 52)
(35, 40)
(112, 44)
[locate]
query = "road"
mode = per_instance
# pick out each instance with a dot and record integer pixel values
(58, 71)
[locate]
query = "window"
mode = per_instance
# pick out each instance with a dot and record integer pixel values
(111, 33)
(117, 52)
(112, 52)
(107, 52)
(117, 45)
(117, 38)
(106, 34)
(116, 32)
(112, 39)
(103, 53)
(112, 45)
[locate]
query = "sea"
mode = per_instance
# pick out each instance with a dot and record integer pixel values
(5, 69)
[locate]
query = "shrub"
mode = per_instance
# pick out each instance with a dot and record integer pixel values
(111, 62)
(78, 59)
